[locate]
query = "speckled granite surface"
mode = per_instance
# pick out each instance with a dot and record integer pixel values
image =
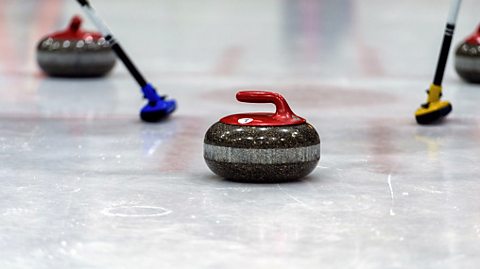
(75, 58)
(467, 62)
(262, 137)
(261, 154)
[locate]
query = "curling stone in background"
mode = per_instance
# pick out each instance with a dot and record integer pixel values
(467, 58)
(75, 53)
(262, 147)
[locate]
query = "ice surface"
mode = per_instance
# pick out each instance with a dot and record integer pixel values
(85, 184)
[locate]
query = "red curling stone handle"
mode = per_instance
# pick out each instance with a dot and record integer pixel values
(75, 24)
(474, 39)
(283, 111)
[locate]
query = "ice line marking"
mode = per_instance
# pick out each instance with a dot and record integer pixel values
(427, 190)
(389, 180)
(123, 211)
(292, 197)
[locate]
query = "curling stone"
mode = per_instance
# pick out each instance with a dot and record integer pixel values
(75, 53)
(467, 58)
(262, 147)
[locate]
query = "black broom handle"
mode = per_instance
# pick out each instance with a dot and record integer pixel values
(447, 41)
(113, 42)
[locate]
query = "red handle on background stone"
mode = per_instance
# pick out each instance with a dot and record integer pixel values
(74, 32)
(474, 39)
(75, 24)
(283, 111)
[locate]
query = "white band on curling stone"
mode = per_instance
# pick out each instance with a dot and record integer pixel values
(262, 156)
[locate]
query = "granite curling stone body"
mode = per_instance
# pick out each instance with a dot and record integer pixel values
(75, 53)
(262, 147)
(467, 58)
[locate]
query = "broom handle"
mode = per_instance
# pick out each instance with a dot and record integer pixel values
(113, 42)
(447, 41)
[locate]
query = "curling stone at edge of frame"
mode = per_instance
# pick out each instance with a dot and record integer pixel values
(262, 147)
(75, 53)
(467, 58)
